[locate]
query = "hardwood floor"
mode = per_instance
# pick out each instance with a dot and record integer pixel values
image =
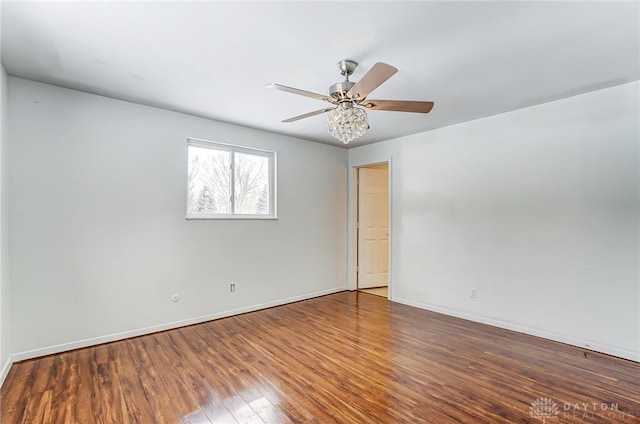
(343, 358)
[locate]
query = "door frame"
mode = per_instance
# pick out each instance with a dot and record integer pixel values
(353, 224)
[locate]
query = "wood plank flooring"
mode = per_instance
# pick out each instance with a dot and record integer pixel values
(344, 358)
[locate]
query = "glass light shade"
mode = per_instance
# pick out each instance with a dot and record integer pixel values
(346, 122)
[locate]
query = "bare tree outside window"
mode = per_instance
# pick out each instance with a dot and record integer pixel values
(209, 181)
(251, 184)
(228, 182)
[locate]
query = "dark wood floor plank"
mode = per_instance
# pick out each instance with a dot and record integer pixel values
(161, 350)
(186, 343)
(88, 405)
(20, 379)
(163, 408)
(280, 367)
(64, 400)
(252, 383)
(198, 374)
(108, 392)
(347, 358)
(38, 410)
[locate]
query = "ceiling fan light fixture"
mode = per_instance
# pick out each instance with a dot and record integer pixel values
(347, 122)
(347, 116)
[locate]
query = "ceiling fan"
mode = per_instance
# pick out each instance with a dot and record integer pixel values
(347, 118)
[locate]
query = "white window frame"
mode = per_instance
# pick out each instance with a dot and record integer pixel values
(235, 149)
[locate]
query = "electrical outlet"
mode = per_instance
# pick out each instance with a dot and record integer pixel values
(232, 287)
(473, 293)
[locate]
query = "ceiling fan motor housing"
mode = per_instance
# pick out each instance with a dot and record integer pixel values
(339, 90)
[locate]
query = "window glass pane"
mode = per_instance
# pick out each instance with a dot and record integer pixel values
(251, 179)
(209, 187)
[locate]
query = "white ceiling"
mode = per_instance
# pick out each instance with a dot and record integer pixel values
(212, 59)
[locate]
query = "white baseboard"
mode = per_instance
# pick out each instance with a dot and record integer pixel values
(162, 327)
(5, 370)
(586, 344)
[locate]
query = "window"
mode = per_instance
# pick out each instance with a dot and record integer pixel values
(227, 181)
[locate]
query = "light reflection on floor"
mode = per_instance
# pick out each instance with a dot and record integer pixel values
(237, 409)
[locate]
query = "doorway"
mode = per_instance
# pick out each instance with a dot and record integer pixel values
(372, 224)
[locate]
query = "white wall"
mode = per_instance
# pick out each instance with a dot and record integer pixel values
(537, 209)
(5, 346)
(5, 332)
(99, 241)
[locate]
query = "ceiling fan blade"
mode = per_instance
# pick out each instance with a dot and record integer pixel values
(299, 92)
(308, 115)
(398, 105)
(379, 73)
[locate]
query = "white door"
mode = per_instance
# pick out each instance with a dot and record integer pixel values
(373, 230)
